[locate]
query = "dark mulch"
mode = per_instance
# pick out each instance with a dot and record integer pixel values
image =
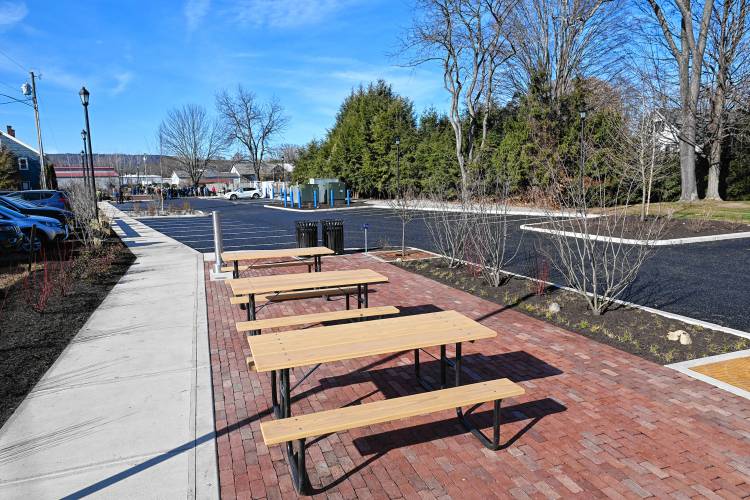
(673, 228)
(633, 330)
(35, 333)
(410, 254)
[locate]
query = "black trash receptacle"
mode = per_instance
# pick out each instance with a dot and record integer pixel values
(307, 233)
(333, 235)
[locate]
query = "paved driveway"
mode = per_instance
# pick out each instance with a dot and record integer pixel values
(706, 281)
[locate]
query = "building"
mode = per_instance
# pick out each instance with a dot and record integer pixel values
(271, 171)
(106, 177)
(27, 159)
(211, 178)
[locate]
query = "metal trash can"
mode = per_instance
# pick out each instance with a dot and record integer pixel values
(333, 235)
(307, 233)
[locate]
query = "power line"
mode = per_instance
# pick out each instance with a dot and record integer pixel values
(13, 61)
(13, 99)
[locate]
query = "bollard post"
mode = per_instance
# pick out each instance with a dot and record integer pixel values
(218, 246)
(315, 198)
(283, 195)
(330, 193)
(348, 199)
(299, 198)
(365, 226)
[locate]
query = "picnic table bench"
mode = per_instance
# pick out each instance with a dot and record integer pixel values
(235, 256)
(305, 319)
(277, 353)
(304, 285)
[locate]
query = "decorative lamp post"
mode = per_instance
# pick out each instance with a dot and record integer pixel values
(84, 95)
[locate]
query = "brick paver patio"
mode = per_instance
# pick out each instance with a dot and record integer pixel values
(595, 421)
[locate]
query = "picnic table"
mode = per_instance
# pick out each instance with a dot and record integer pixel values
(277, 353)
(235, 256)
(322, 281)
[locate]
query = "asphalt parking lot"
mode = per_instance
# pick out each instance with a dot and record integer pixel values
(706, 281)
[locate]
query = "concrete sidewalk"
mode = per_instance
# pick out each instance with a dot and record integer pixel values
(127, 409)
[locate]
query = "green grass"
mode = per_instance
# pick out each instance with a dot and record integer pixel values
(730, 211)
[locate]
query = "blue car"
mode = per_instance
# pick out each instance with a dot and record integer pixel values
(44, 198)
(48, 230)
(11, 237)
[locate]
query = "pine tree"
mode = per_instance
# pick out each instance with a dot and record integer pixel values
(10, 176)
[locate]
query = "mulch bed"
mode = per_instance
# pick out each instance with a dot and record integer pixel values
(34, 330)
(632, 330)
(673, 228)
(395, 255)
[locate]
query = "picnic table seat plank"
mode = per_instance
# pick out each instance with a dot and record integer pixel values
(300, 281)
(324, 344)
(305, 294)
(269, 265)
(305, 319)
(233, 255)
(351, 417)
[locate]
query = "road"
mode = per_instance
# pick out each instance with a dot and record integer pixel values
(706, 281)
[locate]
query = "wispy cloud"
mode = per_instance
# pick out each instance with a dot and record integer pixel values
(122, 81)
(12, 13)
(195, 11)
(287, 13)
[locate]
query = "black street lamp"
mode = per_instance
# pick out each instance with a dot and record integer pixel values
(84, 94)
(398, 165)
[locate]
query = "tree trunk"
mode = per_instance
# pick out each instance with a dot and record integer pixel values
(689, 191)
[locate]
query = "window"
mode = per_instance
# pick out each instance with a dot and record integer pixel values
(23, 164)
(25, 185)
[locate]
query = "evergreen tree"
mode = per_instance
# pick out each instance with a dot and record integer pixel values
(10, 176)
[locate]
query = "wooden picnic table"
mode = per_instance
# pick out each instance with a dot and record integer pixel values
(280, 352)
(270, 285)
(235, 256)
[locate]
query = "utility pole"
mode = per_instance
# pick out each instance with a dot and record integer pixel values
(32, 91)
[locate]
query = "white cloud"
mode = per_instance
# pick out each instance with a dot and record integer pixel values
(122, 81)
(286, 13)
(195, 11)
(12, 13)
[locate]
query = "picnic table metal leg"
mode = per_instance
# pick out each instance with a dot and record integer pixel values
(359, 296)
(236, 271)
(318, 263)
(494, 443)
(443, 367)
(275, 395)
(416, 363)
(251, 310)
(297, 465)
(367, 295)
(286, 394)
(457, 364)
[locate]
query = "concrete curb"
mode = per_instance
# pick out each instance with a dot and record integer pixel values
(313, 211)
(627, 241)
(685, 367)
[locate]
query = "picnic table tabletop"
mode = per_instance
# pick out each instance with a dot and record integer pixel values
(280, 253)
(304, 281)
(291, 349)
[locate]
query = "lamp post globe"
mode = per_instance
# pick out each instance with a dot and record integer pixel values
(84, 94)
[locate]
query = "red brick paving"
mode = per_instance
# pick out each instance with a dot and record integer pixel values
(595, 422)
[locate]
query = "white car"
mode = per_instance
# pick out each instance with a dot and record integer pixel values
(243, 192)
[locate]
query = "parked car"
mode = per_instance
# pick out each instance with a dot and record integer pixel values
(11, 237)
(65, 217)
(44, 197)
(243, 192)
(48, 230)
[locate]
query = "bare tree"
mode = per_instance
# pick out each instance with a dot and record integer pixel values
(726, 65)
(649, 162)
(688, 51)
(192, 138)
(254, 125)
(466, 38)
(489, 234)
(587, 248)
(404, 204)
(448, 225)
(564, 39)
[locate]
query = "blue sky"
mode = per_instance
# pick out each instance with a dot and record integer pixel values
(138, 59)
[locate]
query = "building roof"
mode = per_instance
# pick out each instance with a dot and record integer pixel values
(75, 172)
(19, 142)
